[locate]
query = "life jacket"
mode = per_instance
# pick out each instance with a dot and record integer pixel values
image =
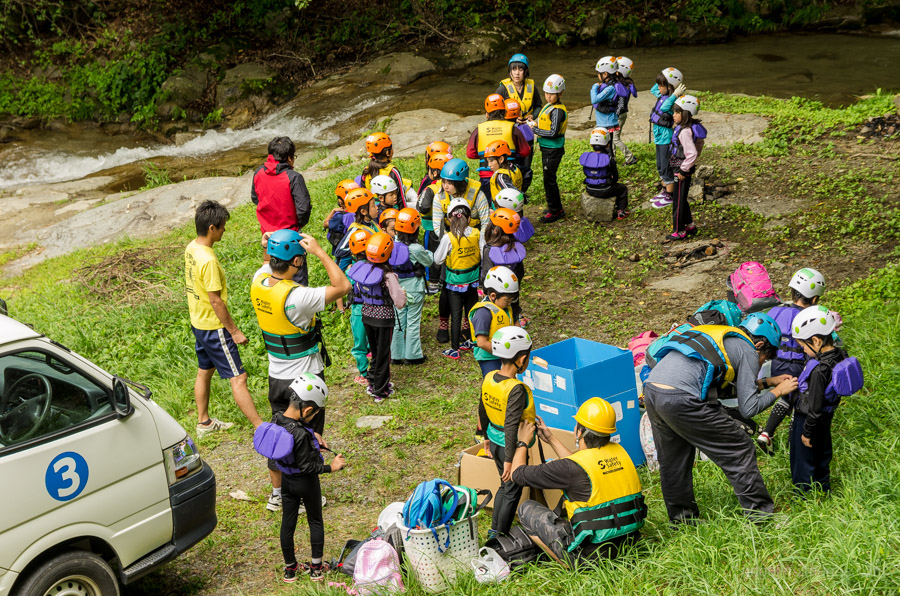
(402, 183)
(402, 264)
(707, 343)
(277, 442)
(677, 149)
(525, 231)
(336, 229)
(527, 97)
(490, 131)
(616, 505)
(512, 171)
(650, 355)
(631, 91)
(341, 252)
(660, 118)
(596, 168)
(470, 196)
(507, 258)
(283, 339)
(499, 318)
(609, 106)
(464, 259)
(527, 133)
(369, 280)
(846, 379)
(545, 122)
(494, 396)
(788, 350)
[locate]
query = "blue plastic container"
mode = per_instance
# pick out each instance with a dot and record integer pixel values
(577, 370)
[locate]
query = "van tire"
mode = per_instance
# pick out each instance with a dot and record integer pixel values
(80, 571)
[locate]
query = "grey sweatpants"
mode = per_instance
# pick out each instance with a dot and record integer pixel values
(681, 422)
(617, 139)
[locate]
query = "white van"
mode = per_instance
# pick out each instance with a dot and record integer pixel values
(99, 484)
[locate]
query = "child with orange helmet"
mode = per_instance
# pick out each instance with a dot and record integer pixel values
(358, 239)
(495, 128)
(425, 205)
(381, 151)
(514, 114)
(504, 171)
(360, 203)
(387, 219)
(434, 148)
(334, 222)
(409, 259)
(380, 292)
(502, 248)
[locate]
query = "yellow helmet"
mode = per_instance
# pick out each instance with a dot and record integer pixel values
(598, 415)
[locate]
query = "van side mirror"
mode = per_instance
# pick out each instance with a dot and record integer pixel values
(121, 398)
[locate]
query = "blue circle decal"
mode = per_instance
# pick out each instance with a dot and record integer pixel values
(66, 476)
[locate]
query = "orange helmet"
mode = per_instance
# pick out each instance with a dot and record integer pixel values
(377, 142)
(356, 198)
(493, 103)
(513, 109)
(437, 161)
(358, 240)
(343, 187)
(387, 214)
(497, 148)
(506, 219)
(408, 221)
(437, 147)
(379, 247)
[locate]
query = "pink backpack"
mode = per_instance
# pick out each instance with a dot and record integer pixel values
(638, 345)
(377, 569)
(752, 287)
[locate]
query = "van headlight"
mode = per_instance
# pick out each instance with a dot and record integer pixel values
(181, 460)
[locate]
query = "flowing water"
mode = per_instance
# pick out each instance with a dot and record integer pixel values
(831, 68)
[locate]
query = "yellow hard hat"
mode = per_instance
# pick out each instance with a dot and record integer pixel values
(598, 415)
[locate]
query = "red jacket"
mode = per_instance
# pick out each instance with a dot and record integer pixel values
(281, 197)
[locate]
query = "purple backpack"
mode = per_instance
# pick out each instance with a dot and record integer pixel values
(752, 287)
(277, 443)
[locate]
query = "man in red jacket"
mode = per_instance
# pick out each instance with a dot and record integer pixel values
(280, 195)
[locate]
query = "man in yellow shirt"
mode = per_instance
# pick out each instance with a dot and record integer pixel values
(216, 334)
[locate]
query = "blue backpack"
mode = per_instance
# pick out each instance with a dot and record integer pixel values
(427, 509)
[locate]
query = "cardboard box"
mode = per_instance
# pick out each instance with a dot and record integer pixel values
(480, 473)
(577, 370)
(550, 497)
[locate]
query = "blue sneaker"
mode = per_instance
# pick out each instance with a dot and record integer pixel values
(451, 353)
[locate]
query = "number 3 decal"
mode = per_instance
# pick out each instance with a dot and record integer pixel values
(66, 476)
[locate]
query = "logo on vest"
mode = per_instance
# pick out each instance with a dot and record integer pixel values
(264, 306)
(609, 465)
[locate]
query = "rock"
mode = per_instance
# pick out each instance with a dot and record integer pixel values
(695, 192)
(28, 123)
(183, 137)
(897, 102)
(597, 210)
(481, 47)
(701, 33)
(593, 25)
(842, 18)
(559, 28)
(243, 80)
(372, 421)
(186, 87)
(240, 115)
(634, 258)
(5, 132)
(620, 39)
(395, 69)
(704, 172)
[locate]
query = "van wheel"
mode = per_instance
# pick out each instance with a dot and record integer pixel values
(75, 573)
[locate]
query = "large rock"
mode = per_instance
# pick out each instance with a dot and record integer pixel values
(597, 210)
(480, 47)
(186, 87)
(700, 33)
(395, 69)
(593, 26)
(241, 81)
(840, 18)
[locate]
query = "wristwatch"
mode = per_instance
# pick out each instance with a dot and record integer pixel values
(521, 444)
(761, 384)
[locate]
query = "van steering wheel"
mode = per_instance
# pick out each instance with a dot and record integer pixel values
(37, 408)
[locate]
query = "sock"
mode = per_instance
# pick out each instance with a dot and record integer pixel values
(781, 409)
(316, 562)
(444, 324)
(276, 491)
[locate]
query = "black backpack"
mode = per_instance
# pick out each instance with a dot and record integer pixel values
(516, 548)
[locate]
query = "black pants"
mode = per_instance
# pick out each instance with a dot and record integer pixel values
(556, 532)
(681, 210)
(297, 489)
(618, 190)
(486, 189)
(507, 498)
(527, 172)
(431, 243)
(380, 366)
(811, 466)
(460, 305)
(681, 423)
(550, 159)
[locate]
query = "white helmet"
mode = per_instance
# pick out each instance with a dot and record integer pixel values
(509, 341)
(688, 103)
(599, 136)
(673, 75)
(607, 64)
(382, 185)
(626, 65)
(458, 202)
(808, 282)
(554, 84)
(309, 387)
(815, 320)
(511, 198)
(502, 280)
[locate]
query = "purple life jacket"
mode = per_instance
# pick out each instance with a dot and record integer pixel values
(368, 280)
(525, 231)
(631, 90)
(277, 443)
(596, 168)
(507, 258)
(846, 379)
(789, 349)
(609, 106)
(660, 118)
(400, 261)
(526, 132)
(677, 150)
(349, 218)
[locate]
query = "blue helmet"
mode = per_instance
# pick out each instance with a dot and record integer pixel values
(762, 325)
(729, 310)
(455, 169)
(285, 245)
(522, 58)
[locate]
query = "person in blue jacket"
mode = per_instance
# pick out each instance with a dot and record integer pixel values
(669, 85)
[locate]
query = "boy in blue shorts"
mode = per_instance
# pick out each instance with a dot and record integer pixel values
(216, 334)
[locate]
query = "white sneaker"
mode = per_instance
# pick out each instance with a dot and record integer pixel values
(214, 425)
(274, 503)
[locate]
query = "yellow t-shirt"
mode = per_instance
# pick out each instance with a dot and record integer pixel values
(203, 273)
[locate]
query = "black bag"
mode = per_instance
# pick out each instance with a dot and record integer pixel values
(516, 548)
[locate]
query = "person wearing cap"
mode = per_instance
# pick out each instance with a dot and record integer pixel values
(602, 502)
(682, 395)
(287, 315)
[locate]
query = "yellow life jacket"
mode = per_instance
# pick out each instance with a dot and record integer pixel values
(527, 97)
(499, 318)
(494, 396)
(490, 131)
(510, 169)
(464, 259)
(387, 171)
(616, 505)
(545, 122)
(470, 196)
(283, 339)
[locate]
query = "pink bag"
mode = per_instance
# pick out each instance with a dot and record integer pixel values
(377, 569)
(638, 345)
(752, 287)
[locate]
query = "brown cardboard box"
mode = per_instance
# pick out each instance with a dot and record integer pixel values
(567, 438)
(481, 473)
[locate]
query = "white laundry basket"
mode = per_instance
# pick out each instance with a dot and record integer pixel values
(434, 569)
